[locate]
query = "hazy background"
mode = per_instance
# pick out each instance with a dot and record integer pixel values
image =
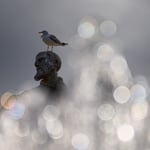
(20, 22)
(106, 64)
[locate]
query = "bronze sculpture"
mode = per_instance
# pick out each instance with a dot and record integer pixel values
(38, 110)
(47, 65)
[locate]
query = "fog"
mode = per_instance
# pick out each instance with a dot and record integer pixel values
(105, 66)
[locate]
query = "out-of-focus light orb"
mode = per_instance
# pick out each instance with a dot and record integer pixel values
(86, 29)
(80, 141)
(18, 111)
(50, 113)
(118, 65)
(55, 129)
(106, 112)
(122, 94)
(8, 100)
(125, 133)
(105, 52)
(108, 28)
(138, 92)
(139, 110)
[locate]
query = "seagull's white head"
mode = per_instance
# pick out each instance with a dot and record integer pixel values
(43, 32)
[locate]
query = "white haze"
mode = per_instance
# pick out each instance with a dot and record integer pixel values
(105, 66)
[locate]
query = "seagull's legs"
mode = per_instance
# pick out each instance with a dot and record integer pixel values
(52, 48)
(47, 47)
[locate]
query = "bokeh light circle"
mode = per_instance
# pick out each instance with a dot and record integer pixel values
(86, 29)
(55, 129)
(105, 52)
(108, 28)
(80, 141)
(18, 111)
(121, 94)
(125, 132)
(50, 113)
(118, 65)
(8, 100)
(139, 110)
(138, 92)
(106, 112)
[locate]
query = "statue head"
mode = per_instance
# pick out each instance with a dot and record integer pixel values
(47, 65)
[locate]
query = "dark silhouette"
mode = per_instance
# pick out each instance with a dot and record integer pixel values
(51, 86)
(39, 108)
(47, 65)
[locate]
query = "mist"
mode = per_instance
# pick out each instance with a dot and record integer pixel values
(105, 67)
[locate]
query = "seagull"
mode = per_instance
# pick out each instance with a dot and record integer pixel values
(51, 40)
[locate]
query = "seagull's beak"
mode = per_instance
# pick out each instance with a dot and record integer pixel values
(41, 33)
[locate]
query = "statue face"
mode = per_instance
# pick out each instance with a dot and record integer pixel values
(44, 66)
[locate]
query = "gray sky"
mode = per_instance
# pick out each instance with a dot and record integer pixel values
(22, 20)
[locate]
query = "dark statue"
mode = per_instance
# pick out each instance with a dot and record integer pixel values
(51, 86)
(47, 65)
(37, 112)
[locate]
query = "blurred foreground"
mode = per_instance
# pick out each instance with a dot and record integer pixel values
(106, 108)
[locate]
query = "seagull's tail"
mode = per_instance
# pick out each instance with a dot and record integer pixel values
(63, 44)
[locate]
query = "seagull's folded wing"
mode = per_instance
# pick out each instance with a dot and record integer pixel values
(52, 37)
